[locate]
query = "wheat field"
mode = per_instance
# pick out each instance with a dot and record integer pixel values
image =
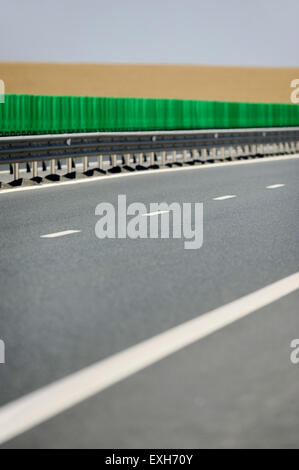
(252, 84)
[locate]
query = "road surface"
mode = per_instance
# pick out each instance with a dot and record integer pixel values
(71, 301)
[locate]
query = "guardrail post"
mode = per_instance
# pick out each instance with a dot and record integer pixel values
(266, 149)
(174, 156)
(184, 156)
(85, 163)
(253, 149)
(15, 171)
(52, 166)
(69, 165)
(100, 162)
(152, 158)
(127, 159)
(140, 158)
(163, 155)
(194, 154)
(34, 169)
(114, 160)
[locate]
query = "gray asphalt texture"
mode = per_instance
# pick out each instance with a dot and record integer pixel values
(69, 302)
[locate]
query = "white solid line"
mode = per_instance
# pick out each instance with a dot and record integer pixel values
(31, 410)
(149, 214)
(274, 186)
(59, 234)
(103, 178)
(222, 198)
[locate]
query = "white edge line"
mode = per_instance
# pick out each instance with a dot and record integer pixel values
(41, 405)
(94, 179)
(59, 234)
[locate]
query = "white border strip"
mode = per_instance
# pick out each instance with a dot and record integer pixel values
(93, 179)
(41, 405)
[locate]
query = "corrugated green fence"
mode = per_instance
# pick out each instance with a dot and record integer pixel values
(34, 114)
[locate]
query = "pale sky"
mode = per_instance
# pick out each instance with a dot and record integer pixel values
(214, 32)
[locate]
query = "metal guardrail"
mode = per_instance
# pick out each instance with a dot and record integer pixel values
(138, 150)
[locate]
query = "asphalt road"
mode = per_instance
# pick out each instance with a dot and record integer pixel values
(70, 301)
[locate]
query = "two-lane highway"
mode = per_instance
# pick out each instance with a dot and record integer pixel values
(69, 300)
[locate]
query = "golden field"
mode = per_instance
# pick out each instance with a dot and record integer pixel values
(159, 81)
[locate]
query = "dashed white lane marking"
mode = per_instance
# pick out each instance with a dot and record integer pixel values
(148, 172)
(274, 186)
(31, 410)
(149, 214)
(59, 234)
(222, 198)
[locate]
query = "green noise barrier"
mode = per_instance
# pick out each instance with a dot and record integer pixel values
(36, 114)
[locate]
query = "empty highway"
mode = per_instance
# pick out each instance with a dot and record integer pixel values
(70, 300)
